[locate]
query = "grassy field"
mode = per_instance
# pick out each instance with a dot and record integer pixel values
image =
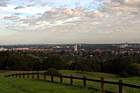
(108, 77)
(17, 85)
(43, 86)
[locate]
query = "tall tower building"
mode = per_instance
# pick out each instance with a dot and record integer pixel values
(126, 44)
(75, 48)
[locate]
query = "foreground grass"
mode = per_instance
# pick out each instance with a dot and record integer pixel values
(108, 77)
(93, 75)
(20, 85)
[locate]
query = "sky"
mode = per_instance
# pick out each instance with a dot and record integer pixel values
(69, 21)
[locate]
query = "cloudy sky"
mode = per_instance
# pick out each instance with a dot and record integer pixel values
(69, 21)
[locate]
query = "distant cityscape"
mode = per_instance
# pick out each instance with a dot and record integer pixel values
(115, 49)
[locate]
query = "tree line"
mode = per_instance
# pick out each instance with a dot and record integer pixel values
(124, 66)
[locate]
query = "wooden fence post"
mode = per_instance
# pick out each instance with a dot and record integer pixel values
(27, 75)
(38, 75)
(16, 75)
(71, 80)
(61, 79)
(19, 75)
(120, 86)
(45, 77)
(12, 75)
(51, 78)
(102, 84)
(32, 75)
(84, 81)
(23, 75)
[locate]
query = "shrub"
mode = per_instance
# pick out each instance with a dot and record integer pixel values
(52, 71)
(124, 74)
(54, 61)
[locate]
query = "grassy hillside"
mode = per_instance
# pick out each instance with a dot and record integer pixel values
(20, 85)
(108, 77)
(92, 75)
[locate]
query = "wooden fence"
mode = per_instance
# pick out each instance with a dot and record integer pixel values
(84, 79)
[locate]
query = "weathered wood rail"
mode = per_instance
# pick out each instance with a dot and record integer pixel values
(84, 79)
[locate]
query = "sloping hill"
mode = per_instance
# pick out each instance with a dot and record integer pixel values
(20, 85)
(34, 86)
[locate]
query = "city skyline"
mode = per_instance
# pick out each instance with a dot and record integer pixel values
(69, 21)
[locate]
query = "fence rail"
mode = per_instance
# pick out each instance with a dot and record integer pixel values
(102, 81)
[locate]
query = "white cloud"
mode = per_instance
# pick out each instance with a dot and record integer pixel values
(32, 10)
(114, 17)
(2, 16)
(3, 3)
(118, 8)
(12, 18)
(26, 10)
(95, 15)
(132, 3)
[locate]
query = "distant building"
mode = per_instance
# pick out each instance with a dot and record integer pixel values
(57, 46)
(67, 46)
(98, 51)
(124, 45)
(21, 49)
(75, 48)
(123, 52)
(68, 50)
(3, 49)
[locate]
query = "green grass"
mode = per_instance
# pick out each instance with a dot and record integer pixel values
(20, 85)
(107, 77)
(92, 75)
